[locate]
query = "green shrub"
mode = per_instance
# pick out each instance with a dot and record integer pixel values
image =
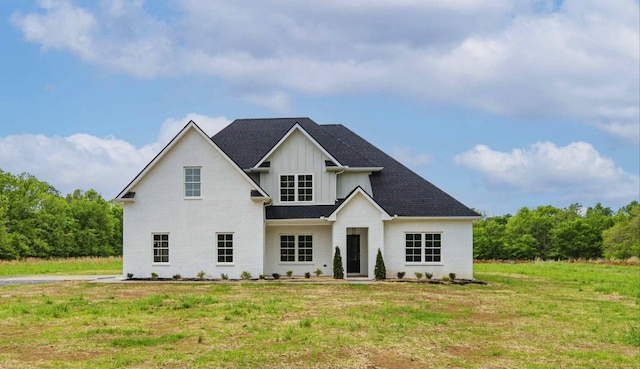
(445, 278)
(245, 275)
(224, 276)
(275, 276)
(129, 275)
(318, 272)
(380, 271)
(452, 276)
(338, 269)
(289, 273)
(154, 276)
(401, 275)
(176, 277)
(418, 275)
(307, 275)
(428, 275)
(200, 274)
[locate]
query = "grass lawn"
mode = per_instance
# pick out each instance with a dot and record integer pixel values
(543, 315)
(75, 266)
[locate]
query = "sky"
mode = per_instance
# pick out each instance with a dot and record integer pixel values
(503, 104)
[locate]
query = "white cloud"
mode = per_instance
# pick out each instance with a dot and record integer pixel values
(577, 60)
(576, 172)
(83, 161)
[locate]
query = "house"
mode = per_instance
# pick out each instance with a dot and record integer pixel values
(271, 195)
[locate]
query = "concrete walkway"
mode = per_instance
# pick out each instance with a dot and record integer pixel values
(38, 279)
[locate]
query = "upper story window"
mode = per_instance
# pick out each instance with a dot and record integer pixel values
(192, 182)
(296, 188)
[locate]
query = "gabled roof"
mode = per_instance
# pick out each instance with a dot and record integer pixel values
(358, 191)
(126, 194)
(396, 189)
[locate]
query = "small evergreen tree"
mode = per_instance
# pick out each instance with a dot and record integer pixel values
(380, 271)
(338, 270)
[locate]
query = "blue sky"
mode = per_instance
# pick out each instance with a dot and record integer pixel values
(500, 103)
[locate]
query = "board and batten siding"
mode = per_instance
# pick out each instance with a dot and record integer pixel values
(298, 155)
(347, 182)
(192, 224)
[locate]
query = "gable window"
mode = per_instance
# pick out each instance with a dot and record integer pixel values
(296, 188)
(225, 248)
(423, 247)
(192, 184)
(161, 248)
(296, 248)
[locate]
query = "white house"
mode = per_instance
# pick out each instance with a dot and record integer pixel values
(271, 195)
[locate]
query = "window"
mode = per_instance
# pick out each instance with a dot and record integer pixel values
(413, 247)
(296, 188)
(192, 182)
(305, 248)
(415, 243)
(161, 248)
(305, 187)
(287, 188)
(296, 248)
(432, 247)
(225, 248)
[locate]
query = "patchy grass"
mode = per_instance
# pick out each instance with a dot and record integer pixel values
(525, 317)
(74, 266)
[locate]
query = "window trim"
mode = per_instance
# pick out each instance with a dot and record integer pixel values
(423, 247)
(225, 263)
(296, 249)
(154, 247)
(296, 188)
(184, 182)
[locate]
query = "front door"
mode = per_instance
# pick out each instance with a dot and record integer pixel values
(353, 253)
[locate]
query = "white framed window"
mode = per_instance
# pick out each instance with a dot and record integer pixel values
(296, 248)
(192, 182)
(225, 248)
(423, 247)
(160, 247)
(296, 188)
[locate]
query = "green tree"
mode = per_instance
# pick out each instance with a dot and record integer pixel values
(622, 240)
(489, 238)
(380, 271)
(338, 269)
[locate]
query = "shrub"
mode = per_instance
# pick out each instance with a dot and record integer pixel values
(401, 275)
(200, 274)
(418, 275)
(380, 271)
(318, 272)
(289, 273)
(445, 278)
(338, 269)
(261, 276)
(224, 276)
(307, 275)
(245, 275)
(452, 276)
(275, 276)
(129, 275)
(176, 277)
(154, 276)
(428, 275)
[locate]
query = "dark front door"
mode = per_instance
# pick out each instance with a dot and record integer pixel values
(353, 253)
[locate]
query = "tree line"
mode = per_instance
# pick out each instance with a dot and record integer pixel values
(548, 232)
(36, 221)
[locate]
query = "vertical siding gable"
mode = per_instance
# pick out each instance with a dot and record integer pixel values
(299, 155)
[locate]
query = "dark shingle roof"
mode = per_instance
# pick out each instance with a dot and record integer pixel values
(396, 188)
